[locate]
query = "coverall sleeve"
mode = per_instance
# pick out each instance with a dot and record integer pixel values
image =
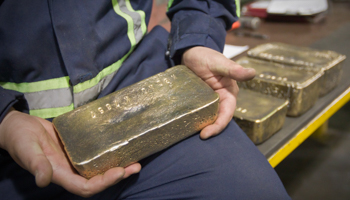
(10, 98)
(200, 23)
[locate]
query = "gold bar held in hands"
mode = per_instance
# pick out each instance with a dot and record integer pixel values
(137, 121)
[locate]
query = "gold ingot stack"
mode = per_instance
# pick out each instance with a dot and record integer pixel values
(137, 121)
(297, 74)
(299, 86)
(310, 59)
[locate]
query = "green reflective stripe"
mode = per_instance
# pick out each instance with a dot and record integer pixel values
(115, 66)
(51, 112)
(142, 14)
(137, 28)
(238, 8)
(51, 84)
(170, 3)
(128, 19)
(40, 88)
(105, 72)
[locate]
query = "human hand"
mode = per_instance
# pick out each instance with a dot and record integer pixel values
(221, 74)
(33, 143)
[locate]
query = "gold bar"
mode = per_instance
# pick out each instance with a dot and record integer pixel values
(299, 86)
(137, 121)
(259, 115)
(302, 57)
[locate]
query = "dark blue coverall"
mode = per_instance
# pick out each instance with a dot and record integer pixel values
(59, 54)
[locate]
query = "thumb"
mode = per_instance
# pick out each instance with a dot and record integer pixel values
(228, 68)
(24, 138)
(42, 170)
(34, 160)
(28, 153)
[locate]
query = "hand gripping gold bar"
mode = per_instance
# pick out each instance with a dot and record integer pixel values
(137, 121)
(310, 59)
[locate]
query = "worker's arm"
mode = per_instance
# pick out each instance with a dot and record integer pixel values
(197, 39)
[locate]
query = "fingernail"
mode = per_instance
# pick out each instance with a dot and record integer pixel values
(36, 173)
(251, 69)
(204, 136)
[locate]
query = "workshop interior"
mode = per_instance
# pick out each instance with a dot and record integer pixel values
(296, 109)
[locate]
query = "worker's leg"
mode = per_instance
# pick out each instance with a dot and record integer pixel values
(228, 166)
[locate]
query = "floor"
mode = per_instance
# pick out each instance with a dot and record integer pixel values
(319, 169)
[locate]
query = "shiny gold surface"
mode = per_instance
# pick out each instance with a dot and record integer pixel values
(259, 115)
(137, 121)
(311, 59)
(299, 86)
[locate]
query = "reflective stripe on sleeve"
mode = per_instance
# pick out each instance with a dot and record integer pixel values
(238, 8)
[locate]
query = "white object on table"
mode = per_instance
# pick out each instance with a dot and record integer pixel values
(231, 51)
(297, 7)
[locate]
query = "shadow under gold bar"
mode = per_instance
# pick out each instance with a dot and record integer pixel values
(137, 121)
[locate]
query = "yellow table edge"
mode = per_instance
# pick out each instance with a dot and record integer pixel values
(308, 129)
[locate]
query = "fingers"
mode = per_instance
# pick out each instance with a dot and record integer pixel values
(30, 156)
(220, 73)
(132, 169)
(43, 172)
(206, 62)
(80, 186)
(228, 68)
(225, 113)
(23, 144)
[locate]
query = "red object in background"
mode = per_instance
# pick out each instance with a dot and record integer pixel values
(256, 9)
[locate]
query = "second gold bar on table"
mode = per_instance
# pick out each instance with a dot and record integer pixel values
(259, 115)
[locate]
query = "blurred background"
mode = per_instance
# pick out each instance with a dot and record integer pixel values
(320, 167)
